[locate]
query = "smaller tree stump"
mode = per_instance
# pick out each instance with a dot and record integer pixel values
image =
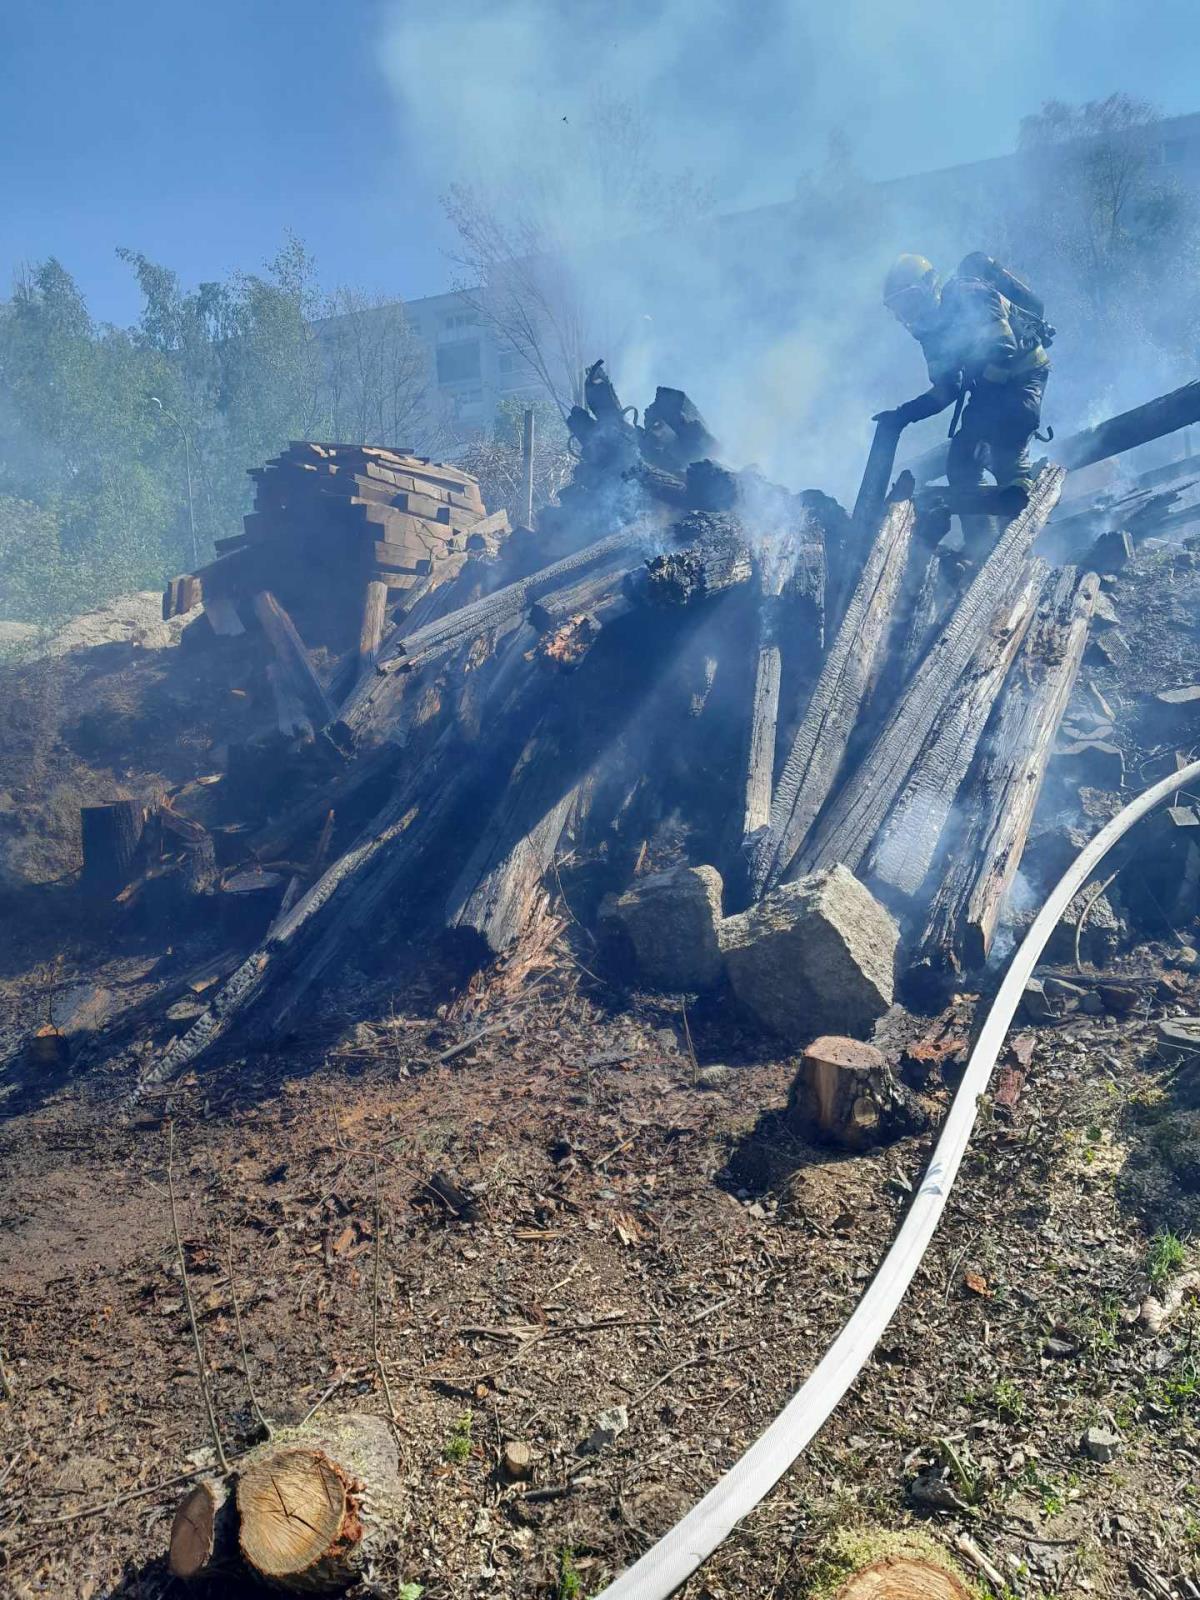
(845, 1094)
(203, 1534)
(111, 835)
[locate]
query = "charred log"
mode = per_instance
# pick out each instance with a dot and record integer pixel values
(820, 744)
(907, 842)
(856, 815)
(982, 858)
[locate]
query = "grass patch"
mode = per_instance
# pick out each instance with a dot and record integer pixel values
(570, 1584)
(458, 1446)
(1167, 1255)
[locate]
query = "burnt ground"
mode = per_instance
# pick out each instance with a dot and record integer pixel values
(622, 1236)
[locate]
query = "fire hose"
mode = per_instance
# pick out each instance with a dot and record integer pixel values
(672, 1560)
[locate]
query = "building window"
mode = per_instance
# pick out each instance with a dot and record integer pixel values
(1174, 151)
(465, 319)
(510, 361)
(459, 362)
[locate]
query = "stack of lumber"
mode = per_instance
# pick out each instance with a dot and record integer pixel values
(345, 536)
(680, 662)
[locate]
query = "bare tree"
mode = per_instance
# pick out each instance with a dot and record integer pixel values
(530, 250)
(376, 372)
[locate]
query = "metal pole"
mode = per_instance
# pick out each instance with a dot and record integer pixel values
(527, 468)
(187, 458)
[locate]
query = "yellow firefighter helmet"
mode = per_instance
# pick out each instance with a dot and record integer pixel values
(907, 273)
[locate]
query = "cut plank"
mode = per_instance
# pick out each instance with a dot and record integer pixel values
(764, 706)
(907, 842)
(820, 744)
(856, 814)
(982, 857)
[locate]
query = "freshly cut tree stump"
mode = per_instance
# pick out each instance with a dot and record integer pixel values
(203, 1534)
(903, 1578)
(314, 1502)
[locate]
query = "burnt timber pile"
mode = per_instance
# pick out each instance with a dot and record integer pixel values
(757, 741)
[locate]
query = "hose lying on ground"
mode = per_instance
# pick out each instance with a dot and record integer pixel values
(667, 1564)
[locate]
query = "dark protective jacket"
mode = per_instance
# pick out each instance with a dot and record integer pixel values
(980, 336)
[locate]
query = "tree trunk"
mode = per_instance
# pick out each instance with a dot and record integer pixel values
(855, 817)
(820, 744)
(111, 835)
(983, 855)
(204, 1532)
(906, 843)
(315, 1501)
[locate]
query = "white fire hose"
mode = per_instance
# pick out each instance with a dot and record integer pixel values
(668, 1564)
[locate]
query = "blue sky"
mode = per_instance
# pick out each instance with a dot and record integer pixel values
(199, 132)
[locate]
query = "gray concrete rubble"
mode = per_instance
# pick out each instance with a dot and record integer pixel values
(814, 956)
(670, 920)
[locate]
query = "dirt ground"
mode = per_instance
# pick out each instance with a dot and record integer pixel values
(623, 1238)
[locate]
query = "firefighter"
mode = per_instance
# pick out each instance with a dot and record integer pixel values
(984, 337)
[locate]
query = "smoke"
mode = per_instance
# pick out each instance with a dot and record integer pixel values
(772, 323)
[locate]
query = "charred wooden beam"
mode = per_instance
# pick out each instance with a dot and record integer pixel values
(373, 619)
(982, 858)
(820, 744)
(292, 675)
(714, 557)
(855, 816)
(764, 708)
(599, 591)
(500, 610)
(907, 842)
(1157, 418)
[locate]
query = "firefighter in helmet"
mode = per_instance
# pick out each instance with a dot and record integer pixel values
(984, 336)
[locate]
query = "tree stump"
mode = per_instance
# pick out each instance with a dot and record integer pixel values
(845, 1094)
(111, 835)
(314, 1501)
(203, 1534)
(903, 1578)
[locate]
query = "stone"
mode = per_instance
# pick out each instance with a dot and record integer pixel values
(1060, 989)
(845, 1094)
(1035, 1002)
(516, 1461)
(1091, 1004)
(670, 919)
(609, 1425)
(1179, 697)
(813, 956)
(1119, 998)
(1179, 1039)
(1185, 959)
(1104, 613)
(715, 1077)
(1099, 1444)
